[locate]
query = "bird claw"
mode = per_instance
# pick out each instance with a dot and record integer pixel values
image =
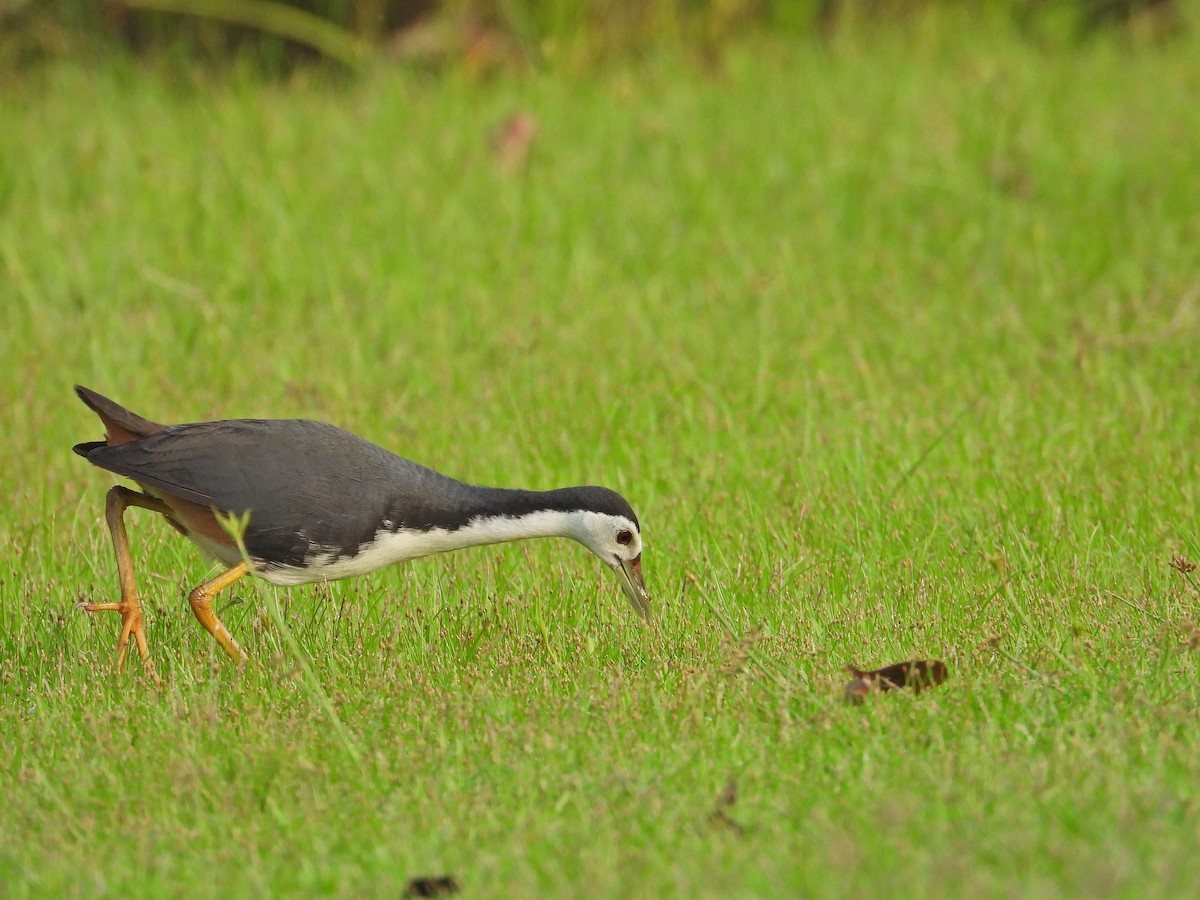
(132, 626)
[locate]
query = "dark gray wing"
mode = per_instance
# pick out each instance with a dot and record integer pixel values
(309, 487)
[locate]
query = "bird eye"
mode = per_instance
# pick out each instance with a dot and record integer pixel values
(624, 536)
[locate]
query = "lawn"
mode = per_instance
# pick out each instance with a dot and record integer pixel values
(891, 344)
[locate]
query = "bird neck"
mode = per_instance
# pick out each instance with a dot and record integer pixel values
(475, 517)
(502, 514)
(459, 515)
(499, 527)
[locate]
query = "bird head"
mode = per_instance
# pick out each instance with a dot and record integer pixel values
(616, 538)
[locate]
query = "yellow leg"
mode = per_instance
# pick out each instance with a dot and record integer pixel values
(130, 607)
(201, 599)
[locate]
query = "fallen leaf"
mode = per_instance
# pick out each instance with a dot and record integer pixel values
(917, 674)
(719, 817)
(728, 795)
(512, 139)
(432, 886)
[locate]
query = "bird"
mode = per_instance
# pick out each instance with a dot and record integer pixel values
(295, 501)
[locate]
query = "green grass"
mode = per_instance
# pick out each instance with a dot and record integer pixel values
(892, 346)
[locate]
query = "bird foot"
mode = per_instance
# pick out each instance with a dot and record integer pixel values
(132, 625)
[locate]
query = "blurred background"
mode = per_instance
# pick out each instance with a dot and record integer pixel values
(482, 36)
(883, 314)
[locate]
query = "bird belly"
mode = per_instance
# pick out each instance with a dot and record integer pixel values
(387, 547)
(200, 526)
(222, 553)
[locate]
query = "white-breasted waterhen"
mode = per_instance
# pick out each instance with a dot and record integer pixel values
(322, 504)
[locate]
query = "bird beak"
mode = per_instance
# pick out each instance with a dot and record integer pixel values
(634, 585)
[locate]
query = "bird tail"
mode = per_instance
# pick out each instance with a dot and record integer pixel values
(120, 425)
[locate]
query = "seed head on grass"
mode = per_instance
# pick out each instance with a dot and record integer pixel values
(1180, 564)
(1185, 568)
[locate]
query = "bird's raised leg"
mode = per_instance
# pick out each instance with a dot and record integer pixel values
(130, 607)
(201, 599)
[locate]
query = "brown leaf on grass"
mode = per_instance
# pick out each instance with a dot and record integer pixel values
(719, 817)
(512, 139)
(917, 674)
(432, 886)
